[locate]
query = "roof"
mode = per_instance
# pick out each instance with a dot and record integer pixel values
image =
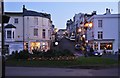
(62, 30)
(34, 13)
(10, 26)
(105, 16)
(14, 13)
(28, 13)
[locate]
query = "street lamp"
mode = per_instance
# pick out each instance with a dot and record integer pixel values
(90, 24)
(83, 36)
(79, 30)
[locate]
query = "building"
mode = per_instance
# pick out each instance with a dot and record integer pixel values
(61, 32)
(70, 28)
(105, 32)
(80, 20)
(28, 30)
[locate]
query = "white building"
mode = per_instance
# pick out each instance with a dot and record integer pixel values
(61, 33)
(70, 28)
(28, 29)
(104, 33)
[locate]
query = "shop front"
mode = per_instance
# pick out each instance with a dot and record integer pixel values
(102, 45)
(39, 46)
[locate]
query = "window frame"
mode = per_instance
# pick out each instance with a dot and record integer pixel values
(100, 23)
(16, 20)
(100, 34)
(9, 37)
(35, 31)
(43, 33)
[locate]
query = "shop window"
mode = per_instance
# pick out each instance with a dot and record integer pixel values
(107, 46)
(96, 46)
(34, 45)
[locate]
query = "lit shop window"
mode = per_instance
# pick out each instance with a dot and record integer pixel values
(96, 46)
(107, 46)
(34, 45)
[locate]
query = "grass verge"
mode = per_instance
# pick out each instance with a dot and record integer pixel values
(81, 61)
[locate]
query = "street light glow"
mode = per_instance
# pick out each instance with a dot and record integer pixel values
(90, 24)
(86, 25)
(56, 43)
(86, 41)
(79, 30)
(83, 36)
(43, 43)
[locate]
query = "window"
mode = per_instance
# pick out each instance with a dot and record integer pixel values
(43, 33)
(99, 23)
(96, 46)
(13, 34)
(100, 35)
(35, 32)
(9, 34)
(36, 21)
(107, 46)
(16, 20)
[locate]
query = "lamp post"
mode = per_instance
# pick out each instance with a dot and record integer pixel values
(4, 19)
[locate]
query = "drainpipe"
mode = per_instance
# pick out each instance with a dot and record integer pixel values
(23, 25)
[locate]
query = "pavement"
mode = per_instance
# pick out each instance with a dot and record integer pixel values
(40, 71)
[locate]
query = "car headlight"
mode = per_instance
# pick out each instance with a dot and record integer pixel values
(100, 53)
(96, 54)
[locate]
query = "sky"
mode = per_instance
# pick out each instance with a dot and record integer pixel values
(62, 11)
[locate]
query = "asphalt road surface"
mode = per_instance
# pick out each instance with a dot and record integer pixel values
(29, 71)
(66, 44)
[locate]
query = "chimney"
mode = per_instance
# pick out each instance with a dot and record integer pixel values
(108, 11)
(24, 8)
(94, 13)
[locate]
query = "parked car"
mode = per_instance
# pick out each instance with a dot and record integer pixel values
(72, 38)
(95, 53)
(77, 47)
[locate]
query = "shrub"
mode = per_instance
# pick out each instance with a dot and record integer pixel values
(24, 54)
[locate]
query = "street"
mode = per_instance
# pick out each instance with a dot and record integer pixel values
(67, 44)
(29, 71)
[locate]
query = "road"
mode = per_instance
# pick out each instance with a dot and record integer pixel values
(67, 44)
(29, 71)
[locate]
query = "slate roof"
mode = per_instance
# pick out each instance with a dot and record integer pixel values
(29, 13)
(10, 26)
(34, 13)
